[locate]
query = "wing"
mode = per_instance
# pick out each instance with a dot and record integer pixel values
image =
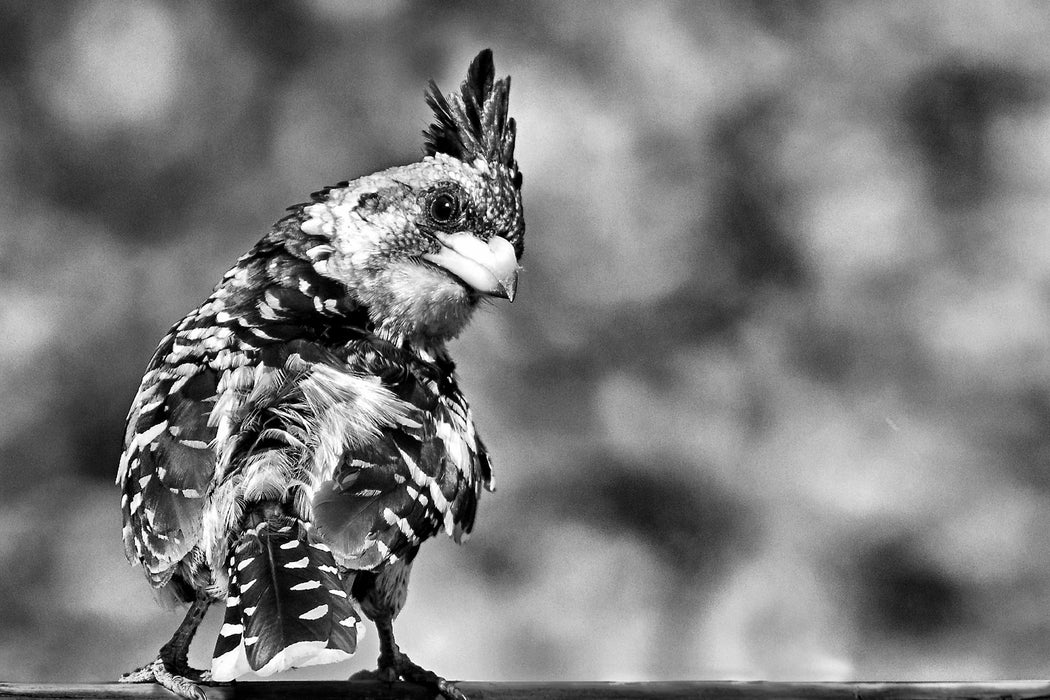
(195, 395)
(422, 476)
(168, 461)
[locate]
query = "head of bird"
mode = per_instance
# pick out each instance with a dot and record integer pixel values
(420, 245)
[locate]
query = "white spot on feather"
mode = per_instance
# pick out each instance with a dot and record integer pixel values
(149, 435)
(147, 408)
(315, 614)
(122, 469)
(306, 586)
(260, 333)
(403, 525)
(298, 563)
(271, 299)
(319, 251)
(409, 423)
(267, 311)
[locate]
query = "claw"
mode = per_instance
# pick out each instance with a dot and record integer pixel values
(183, 682)
(413, 673)
(403, 668)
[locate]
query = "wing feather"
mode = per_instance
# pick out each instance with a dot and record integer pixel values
(422, 476)
(168, 462)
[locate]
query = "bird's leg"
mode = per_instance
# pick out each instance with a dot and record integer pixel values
(171, 668)
(395, 664)
(389, 653)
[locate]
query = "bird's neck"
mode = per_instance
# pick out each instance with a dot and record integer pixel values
(273, 295)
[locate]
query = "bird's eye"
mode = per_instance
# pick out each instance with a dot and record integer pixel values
(443, 208)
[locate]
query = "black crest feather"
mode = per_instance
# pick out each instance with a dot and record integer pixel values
(473, 123)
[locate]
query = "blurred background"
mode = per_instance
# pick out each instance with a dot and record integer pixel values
(774, 399)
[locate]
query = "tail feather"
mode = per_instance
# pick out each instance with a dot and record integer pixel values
(286, 606)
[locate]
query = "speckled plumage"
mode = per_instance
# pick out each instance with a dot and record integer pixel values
(298, 436)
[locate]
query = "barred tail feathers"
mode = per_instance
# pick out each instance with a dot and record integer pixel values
(286, 606)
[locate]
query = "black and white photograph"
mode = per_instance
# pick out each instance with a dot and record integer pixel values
(490, 350)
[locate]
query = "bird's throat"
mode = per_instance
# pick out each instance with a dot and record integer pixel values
(418, 302)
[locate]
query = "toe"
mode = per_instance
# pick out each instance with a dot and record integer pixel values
(180, 685)
(364, 675)
(414, 673)
(181, 681)
(139, 675)
(449, 690)
(183, 687)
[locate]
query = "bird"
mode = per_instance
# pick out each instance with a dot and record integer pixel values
(298, 436)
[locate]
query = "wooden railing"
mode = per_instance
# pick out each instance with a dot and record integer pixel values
(475, 690)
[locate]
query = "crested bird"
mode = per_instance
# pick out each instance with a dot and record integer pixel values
(299, 435)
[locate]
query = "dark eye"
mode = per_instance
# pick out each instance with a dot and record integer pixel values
(443, 207)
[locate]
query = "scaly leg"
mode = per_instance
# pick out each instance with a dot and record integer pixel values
(171, 668)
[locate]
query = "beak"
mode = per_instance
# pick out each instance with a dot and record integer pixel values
(490, 266)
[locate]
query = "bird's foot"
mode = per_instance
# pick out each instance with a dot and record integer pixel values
(180, 679)
(404, 669)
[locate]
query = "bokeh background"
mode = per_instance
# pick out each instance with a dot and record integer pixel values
(774, 400)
